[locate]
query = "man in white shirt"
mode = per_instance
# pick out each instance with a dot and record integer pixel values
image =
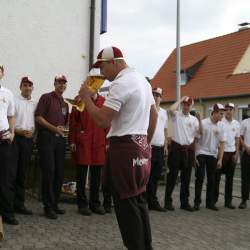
(181, 155)
(24, 130)
(130, 109)
(209, 152)
(7, 122)
(159, 151)
(245, 161)
(230, 156)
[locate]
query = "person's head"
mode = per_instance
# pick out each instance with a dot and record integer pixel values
(157, 93)
(1, 72)
(60, 84)
(186, 105)
(229, 111)
(110, 61)
(26, 87)
(217, 112)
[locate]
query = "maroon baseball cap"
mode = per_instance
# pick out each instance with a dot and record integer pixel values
(188, 100)
(26, 79)
(157, 90)
(217, 107)
(61, 78)
(107, 54)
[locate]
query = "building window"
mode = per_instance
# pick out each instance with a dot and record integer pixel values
(184, 78)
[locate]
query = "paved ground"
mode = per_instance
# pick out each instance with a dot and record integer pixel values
(202, 230)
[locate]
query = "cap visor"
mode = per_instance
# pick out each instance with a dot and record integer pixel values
(96, 64)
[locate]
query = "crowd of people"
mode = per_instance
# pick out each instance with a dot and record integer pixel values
(122, 141)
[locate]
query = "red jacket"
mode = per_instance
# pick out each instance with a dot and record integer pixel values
(89, 139)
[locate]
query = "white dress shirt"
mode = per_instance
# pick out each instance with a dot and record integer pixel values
(245, 131)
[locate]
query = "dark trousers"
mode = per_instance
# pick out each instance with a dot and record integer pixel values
(228, 167)
(107, 196)
(177, 163)
(245, 176)
(157, 162)
(133, 220)
(51, 157)
(23, 151)
(207, 164)
(7, 177)
(95, 181)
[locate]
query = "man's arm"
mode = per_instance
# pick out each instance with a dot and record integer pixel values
(166, 142)
(11, 121)
(220, 154)
(152, 122)
(175, 106)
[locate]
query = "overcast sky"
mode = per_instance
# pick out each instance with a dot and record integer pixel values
(145, 30)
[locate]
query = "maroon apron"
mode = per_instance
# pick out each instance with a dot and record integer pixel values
(129, 158)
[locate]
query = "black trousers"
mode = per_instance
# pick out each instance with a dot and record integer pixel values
(157, 162)
(7, 177)
(207, 164)
(23, 151)
(177, 163)
(228, 167)
(133, 220)
(51, 157)
(245, 176)
(95, 182)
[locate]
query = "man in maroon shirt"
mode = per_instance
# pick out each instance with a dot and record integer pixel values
(52, 117)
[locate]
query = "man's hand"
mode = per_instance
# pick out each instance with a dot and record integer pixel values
(166, 151)
(236, 156)
(219, 164)
(73, 147)
(11, 137)
(60, 130)
(198, 116)
(85, 92)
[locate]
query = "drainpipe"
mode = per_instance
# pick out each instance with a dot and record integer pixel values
(92, 33)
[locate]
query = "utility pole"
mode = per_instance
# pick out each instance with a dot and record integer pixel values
(178, 54)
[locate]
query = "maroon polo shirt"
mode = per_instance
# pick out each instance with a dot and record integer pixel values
(53, 109)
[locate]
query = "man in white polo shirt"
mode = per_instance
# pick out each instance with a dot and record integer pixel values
(181, 155)
(7, 169)
(245, 161)
(159, 151)
(231, 154)
(130, 109)
(209, 153)
(24, 130)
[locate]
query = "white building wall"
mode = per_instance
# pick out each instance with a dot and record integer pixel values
(43, 38)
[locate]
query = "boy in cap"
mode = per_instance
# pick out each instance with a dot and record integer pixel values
(181, 156)
(130, 109)
(230, 156)
(52, 117)
(24, 130)
(159, 150)
(7, 132)
(209, 154)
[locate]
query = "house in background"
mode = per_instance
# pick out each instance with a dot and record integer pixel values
(41, 39)
(214, 70)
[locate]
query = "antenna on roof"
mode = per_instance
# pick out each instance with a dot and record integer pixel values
(243, 26)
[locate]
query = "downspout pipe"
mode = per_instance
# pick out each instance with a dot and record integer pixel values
(92, 33)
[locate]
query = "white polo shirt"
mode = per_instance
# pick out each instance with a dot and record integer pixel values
(212, 135)
(130, 94)
(185, 128)
(232, 131)
(24, 113)
(245, 131)
(162, 123)
(6, 107)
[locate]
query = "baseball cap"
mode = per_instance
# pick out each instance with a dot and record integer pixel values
(157, 90)
(107, 54)
(188, 100)
(230, 105)
(26, 79)
(217, 107)
(61, 78)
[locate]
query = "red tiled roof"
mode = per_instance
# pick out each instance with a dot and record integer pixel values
(214, 78)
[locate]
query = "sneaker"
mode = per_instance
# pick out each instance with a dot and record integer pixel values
(243, 205)
(169, 207)
(187, 207)
(50, 214)
(11, 220)
(84, 211)
(23, 210)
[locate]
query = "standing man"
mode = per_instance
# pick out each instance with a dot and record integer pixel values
(87, 143)
(209, 152)
(245, 161)
(181, 155)
(52, 118)
(130, 108)
(24, 130)
(230, 156)
(159, 151)
(8, 168)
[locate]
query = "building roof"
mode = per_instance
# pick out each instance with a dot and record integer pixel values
(220, 68)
